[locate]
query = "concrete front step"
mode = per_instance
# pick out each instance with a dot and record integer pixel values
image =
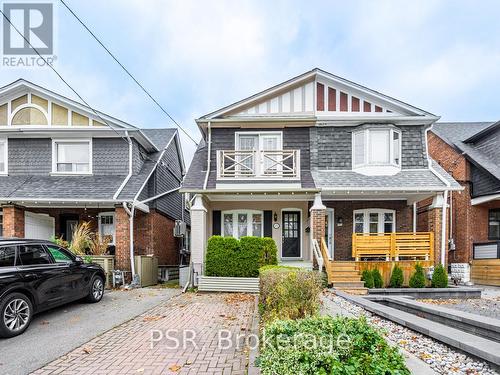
(469, 343)
(353, 290)
(345, 273)
(348, 284)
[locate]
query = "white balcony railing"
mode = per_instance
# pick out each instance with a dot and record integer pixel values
(260, 164)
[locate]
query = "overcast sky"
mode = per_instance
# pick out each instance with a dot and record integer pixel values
(198, 56)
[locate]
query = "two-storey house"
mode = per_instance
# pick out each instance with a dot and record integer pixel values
(328, 168)
(62, 163)
(469, 152)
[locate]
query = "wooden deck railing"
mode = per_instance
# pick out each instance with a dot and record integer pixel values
(411, 245)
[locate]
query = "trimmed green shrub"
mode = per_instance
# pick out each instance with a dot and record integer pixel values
(367, 277)
(378, 282)
(439, 277)
(229, 257)
(417, 280)
(327, 345)
(289, 293)
(397, 277)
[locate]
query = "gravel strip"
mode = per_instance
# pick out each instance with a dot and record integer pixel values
(489, 307)
(439, 357)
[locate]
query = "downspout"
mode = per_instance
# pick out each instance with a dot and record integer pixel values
(130, 152)
(209, 129)
(130, 213)
(414, 217)
(443, 227)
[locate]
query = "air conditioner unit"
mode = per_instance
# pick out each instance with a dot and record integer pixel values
(179, 228)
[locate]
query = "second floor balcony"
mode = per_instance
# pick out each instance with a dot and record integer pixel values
(258, 164)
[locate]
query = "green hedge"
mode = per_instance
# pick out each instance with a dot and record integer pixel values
(229, 257)
(327, 345)
(417, 280)
(397, 277)
(289, 292)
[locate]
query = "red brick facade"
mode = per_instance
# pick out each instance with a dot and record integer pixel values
(344, 210)
(153, 232)
(469, 223)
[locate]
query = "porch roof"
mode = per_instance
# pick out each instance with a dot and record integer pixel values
(407, 179)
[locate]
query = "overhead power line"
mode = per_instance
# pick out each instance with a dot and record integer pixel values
(129, 74)
(62, 79)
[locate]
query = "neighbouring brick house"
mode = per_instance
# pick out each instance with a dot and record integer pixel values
(318, 159)
(61, 164)
(470, 152)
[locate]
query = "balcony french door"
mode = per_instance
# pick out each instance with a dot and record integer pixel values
(253, 161)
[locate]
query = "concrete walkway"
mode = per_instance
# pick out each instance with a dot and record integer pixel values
(415, 365)
(60, 330)
(192, 333)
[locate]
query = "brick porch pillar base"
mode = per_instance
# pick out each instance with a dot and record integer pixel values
(318, 213)
(122, 246)
(13, 221)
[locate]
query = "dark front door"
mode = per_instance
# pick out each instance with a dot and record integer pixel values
(291, 234)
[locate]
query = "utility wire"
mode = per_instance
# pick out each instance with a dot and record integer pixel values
(129, 74)
(62, 79)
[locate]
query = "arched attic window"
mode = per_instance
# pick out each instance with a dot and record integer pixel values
(29, 115)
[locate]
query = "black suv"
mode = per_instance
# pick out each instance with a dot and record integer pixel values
(38, 275)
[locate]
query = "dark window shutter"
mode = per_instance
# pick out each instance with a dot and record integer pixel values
(216, 223)
(268, 223)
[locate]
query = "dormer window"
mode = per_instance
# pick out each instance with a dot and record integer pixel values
(376, 151)
(72, 156)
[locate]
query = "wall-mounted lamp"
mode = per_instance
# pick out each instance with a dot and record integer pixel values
(340, 221)
(275, 216)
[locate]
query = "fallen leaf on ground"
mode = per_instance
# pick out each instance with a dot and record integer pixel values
(87, 350)
(174, 368)
(44, 322)
(140, 370)
(152, 318)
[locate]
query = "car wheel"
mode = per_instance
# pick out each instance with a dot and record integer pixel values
(96, 289)
(16, 312)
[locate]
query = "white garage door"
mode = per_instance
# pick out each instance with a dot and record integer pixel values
(38, 226)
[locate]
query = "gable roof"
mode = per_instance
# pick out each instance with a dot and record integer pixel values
(463, 135)
(22, 86)
(317, 75)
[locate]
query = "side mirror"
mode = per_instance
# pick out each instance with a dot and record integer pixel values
(78, 260)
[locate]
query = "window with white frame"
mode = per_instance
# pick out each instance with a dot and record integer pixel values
(72, 156)
(107, 226)
(240, 223)
(374, 221)
(258, 142)
(376, 147)
(3, 155)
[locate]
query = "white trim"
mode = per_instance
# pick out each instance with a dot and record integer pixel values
(28, 105)
(130, 165)
(366, 219)
(369, 168)
(249, 185)
(235, 214)
(110, 213)
(330, 212)
(5, 141)
(55, 141)
(301, 231)
(154, 168)
(484, 199)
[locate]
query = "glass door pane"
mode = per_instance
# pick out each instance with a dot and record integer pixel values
(247, 160)
(271, 161)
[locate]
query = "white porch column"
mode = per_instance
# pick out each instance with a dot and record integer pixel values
(198, 236)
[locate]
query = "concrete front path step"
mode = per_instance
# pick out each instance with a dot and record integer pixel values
(477, 346)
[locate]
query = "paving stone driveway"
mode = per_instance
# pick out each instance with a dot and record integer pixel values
(181, 336)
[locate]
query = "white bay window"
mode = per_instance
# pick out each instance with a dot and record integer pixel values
(376, 151)
(240, 223)
(72, 156)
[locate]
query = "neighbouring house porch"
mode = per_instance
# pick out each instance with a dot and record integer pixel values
(153, 231)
